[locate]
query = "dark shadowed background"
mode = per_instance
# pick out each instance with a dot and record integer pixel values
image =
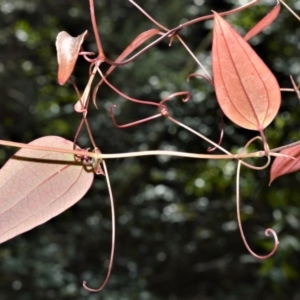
(177, 235)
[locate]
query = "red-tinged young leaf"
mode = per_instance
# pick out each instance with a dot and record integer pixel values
(36, 186)
(67, 48)
(285, 165)
(246, 89)
(263, 23)
(137, 42)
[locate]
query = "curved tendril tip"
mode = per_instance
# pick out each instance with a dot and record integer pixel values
(113, 238)
(210, 81)
(268, 231)
(211, 149)
(184, 93)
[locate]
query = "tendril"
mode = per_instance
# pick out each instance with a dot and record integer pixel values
(81, 108)
(148, 16)
(122, 94)
(291, 11)
(163, 110)
(295, 87)
(113, 237)
(209, 80)
(85, 55)
(132, 123)
(268, 231)
(268, 155)
(184, 93)
(211, 149)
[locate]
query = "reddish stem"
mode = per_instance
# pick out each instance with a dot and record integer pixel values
(132, 123)
(122, 94)
(101, 55)
(267, 231)
(111, 260)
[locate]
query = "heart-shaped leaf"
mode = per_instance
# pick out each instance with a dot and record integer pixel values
(246, 89)
(285, 165)
(67, 48)
(36, 185)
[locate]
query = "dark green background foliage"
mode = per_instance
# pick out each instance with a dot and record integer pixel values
(177, 235)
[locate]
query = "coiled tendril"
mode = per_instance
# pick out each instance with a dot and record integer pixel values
(268, 231)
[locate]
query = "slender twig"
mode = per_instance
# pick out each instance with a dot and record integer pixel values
(207, 17)
(101, 55)
(104, 156)
(81, 105)
(267, 231)
(285, 147)
(208, 76)
(113, 236)
(199, 134)
(291, 11)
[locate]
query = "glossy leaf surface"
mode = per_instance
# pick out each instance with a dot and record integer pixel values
(36, 186)
(246, 89)
(285, 165)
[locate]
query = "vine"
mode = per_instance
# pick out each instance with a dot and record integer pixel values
(247, 92)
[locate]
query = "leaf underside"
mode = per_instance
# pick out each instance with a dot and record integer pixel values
(36, 186)
(247, 91)
(285, 165)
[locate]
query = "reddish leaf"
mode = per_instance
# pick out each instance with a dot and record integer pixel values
(285, 165)
(67, 48)
(137, 42)
(35, 186)
(246, 89)
(263, 23)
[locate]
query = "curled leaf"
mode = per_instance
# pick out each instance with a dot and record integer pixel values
(36, 186)
(67, 48)
(246, 89)
(284, 165)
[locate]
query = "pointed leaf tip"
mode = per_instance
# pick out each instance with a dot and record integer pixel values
(263, 23)
(36, 186)
(247, 91)
(67, 48)
(284, 165)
